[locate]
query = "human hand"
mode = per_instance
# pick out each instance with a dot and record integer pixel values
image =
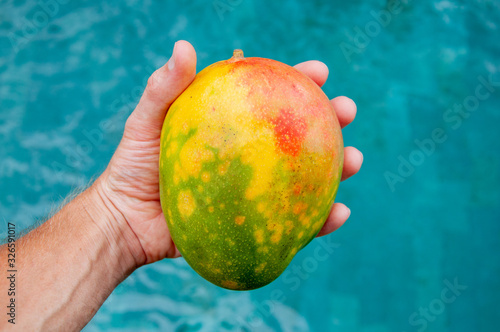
(130, 184)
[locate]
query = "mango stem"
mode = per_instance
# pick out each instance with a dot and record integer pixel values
(238, 54)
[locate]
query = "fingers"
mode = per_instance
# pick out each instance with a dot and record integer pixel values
(345, 108)
(163, 87)
(353, 159)
(316, 70)
(338, 216)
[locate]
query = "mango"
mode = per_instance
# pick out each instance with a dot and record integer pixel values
(250, 162)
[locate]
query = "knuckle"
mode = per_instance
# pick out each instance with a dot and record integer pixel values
(152, 79)
(153, 87)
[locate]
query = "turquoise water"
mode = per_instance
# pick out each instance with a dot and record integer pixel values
(425, 215)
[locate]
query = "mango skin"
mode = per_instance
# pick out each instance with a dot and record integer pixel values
(250, 163)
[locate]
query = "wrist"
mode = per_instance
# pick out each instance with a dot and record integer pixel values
(72, 262)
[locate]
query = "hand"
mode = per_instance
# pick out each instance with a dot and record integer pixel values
(130, 183)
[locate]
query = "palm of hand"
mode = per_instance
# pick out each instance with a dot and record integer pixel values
(132, 179)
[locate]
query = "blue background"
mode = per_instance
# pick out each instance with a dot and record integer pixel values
(419, 222)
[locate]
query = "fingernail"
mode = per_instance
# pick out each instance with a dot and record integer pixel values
(348, 212)
(171, 61)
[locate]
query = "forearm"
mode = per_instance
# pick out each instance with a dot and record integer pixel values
(67, 267)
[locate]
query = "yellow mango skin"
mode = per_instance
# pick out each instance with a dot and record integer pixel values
(250, 162)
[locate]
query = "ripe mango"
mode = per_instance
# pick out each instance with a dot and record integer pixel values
(250, 163)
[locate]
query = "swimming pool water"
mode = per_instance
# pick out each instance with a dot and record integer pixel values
(425, 214)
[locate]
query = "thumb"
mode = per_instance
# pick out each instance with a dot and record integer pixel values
(163, 87)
